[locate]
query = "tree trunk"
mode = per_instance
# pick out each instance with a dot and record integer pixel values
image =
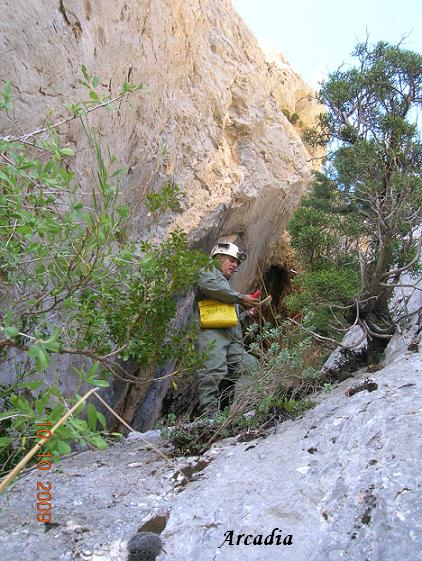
(379, 321)
(134, 396)
(139, 403)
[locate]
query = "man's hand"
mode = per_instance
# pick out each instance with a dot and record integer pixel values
(253, 313)
(249, 301)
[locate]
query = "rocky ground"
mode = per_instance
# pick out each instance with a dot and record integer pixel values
(344, 482)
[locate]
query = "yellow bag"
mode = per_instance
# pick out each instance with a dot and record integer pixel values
(217, 315)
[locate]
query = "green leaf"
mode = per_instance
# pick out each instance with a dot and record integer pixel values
(76, 108)
(42, 403)
(92, 370)
(40, 269)
(93, 95)
(54, 390)
(96, 382)
(85, 73)
(64, 432)
(92, 417)
(124, 87)
(31, 385)
(8, 413)
(56, 414)
(95, 82)
(123, 211)
(5, 441)
(63, 447)
(42, 360)
(10, 332)
(119, 172)
(66, 152)
(7, 98)
(98, 442)
(79, 425)
(102, 419)
(49, 167)
(53, 346)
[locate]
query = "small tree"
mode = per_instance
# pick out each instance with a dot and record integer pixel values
(357, 230)
(71, 284)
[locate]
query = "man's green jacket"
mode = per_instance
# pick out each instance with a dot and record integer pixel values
(213, 285)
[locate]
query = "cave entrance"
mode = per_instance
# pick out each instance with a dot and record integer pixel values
(277, 282)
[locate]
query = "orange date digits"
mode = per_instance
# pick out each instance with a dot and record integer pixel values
(43, 433)
(42, 504)
(44, 517)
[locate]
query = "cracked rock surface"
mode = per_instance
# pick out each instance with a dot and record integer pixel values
(211, 117)
(99, 500)
(344, 481)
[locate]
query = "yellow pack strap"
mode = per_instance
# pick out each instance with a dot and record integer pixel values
(217, 315)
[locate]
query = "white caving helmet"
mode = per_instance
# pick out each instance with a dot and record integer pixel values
(226, 248)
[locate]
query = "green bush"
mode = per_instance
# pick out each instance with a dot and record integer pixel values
(291, 117)
(73, 284)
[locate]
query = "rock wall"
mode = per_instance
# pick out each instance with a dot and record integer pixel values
(210, 119)
(211, 116)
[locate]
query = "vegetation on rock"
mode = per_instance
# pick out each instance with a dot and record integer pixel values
(71, 285)
(288, 376)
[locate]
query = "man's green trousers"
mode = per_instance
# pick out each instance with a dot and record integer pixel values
(226, 359)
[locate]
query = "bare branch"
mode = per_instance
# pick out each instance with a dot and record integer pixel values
(401, 285)
(373, 333)
(408, 266)
(329, 339)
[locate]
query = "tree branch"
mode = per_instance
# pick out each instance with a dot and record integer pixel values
(24, 137)
(405, 267)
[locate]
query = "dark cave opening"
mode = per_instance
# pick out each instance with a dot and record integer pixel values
(277, 283)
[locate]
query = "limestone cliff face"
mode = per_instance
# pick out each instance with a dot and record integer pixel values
(211, 116)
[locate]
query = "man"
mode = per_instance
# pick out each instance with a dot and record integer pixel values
(223, 346)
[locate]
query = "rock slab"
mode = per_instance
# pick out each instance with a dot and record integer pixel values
(344, 481)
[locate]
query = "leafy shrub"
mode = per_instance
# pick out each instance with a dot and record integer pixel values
(291, 117)
(289, 362)
(73, 284)
(24, 411)
(289, 374)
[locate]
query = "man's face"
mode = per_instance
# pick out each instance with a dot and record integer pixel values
(229, 265)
